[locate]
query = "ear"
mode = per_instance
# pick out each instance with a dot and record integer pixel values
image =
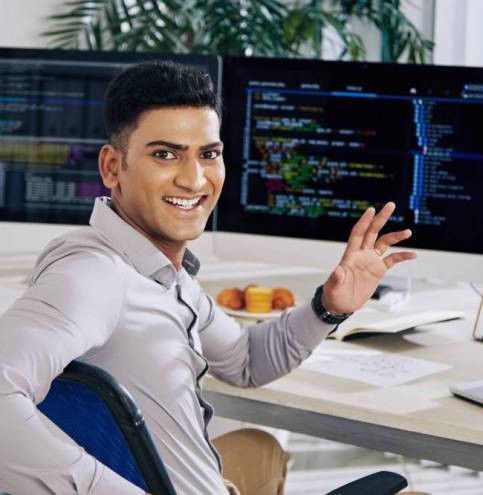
(110, 163)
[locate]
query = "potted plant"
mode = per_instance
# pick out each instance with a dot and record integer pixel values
(281, 28)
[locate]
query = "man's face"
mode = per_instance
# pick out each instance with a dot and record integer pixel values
(173, 173)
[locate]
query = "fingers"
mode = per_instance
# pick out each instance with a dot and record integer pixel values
(376, 225)
(364, 234)
(394, 258)
(359, 230)
(388, 240)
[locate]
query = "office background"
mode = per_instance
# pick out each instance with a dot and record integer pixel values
(455, 27)
(450, 24)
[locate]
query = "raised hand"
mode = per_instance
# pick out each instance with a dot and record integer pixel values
(363, 264)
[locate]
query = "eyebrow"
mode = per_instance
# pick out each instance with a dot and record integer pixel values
(182, 147)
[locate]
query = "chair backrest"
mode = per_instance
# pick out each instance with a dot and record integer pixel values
(100, 415)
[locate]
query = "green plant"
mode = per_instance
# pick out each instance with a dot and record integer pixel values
(399, 35)
(237, 27)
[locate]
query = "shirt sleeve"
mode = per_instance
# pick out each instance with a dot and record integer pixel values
(72, 307)
(258, 354)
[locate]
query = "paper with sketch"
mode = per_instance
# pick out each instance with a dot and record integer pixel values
(382, 369)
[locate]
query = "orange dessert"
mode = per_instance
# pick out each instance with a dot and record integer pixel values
(246, 288)
(258, 299)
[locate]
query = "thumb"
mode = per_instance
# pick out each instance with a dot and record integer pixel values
(337, 277)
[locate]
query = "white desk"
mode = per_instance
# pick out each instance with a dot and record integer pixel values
(419, 419)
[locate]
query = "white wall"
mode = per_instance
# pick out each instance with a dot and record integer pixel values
(458, 32)
(22, 22)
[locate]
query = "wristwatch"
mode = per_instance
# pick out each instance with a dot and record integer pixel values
(322, 313)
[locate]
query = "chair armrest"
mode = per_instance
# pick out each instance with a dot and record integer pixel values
(380, 483)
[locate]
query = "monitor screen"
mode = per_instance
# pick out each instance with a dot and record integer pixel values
(309, 145)
(52, 126)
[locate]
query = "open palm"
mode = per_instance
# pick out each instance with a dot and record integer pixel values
(363, 265)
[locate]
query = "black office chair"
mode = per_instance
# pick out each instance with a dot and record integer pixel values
(101, 416)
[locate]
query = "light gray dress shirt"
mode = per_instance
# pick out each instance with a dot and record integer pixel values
(106, 295)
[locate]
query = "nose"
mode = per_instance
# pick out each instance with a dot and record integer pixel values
(191, 176)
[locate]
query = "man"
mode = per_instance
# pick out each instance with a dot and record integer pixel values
(120, 294)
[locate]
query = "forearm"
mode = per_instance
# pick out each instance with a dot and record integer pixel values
(278, 346)
(263, 352)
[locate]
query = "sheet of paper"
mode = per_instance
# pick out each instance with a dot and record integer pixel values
(382, 369)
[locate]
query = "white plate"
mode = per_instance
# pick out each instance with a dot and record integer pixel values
(240, 313)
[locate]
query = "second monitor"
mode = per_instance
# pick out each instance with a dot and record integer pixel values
(52, 127)
(311, 144)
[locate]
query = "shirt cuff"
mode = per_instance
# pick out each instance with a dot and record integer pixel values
(310, 331)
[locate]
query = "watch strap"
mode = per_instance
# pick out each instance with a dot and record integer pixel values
(322, 313)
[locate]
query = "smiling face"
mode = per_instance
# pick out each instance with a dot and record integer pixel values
(171, 176)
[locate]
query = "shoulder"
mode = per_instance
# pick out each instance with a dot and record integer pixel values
(82, 254)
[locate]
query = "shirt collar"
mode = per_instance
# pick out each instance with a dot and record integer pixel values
(146, 258)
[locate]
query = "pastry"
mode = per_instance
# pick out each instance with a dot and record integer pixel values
(258, 299)
(282, 298)
(231, 298)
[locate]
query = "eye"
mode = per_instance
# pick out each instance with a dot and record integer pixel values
(210, 154)
(164, 155)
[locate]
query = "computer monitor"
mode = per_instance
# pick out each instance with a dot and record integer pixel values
(311, 144)
(52, 126)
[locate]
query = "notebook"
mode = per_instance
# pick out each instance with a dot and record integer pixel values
(375, 322)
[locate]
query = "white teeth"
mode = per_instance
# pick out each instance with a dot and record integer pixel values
(184, 203)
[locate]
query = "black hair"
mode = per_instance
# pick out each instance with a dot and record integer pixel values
(154, 84)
